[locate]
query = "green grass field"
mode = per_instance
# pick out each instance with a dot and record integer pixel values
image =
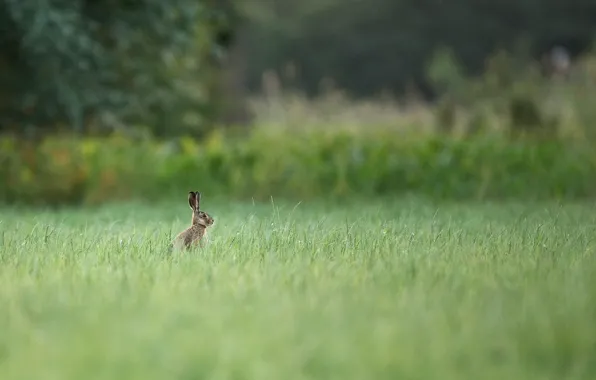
(370, 290)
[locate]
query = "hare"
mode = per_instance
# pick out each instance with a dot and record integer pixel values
(194, 234)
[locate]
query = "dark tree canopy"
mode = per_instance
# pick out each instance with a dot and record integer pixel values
(375, 45)
(75, 62)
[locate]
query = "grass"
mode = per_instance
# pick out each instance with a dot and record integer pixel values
(377, 290)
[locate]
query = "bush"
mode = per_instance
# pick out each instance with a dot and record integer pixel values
(301, 165)
(514, 96)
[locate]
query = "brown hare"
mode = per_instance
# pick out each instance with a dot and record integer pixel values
(194, 234)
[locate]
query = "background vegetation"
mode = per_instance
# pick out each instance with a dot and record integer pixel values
(503, 118)
(111, 100)
(368, 47)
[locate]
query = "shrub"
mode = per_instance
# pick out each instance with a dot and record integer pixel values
(309, 164)
(514, 95)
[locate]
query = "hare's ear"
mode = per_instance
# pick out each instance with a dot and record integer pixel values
(198, 198)
(192, 199)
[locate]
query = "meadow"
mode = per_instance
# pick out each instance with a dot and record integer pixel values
(358, 289)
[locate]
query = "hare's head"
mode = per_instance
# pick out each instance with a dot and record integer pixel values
(199, 217)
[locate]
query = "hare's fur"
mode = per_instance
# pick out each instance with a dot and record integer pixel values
(196, 233)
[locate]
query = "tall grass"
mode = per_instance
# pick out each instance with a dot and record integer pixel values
(362, 290)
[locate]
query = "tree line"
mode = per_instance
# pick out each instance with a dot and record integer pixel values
(179, 66)
(370, 46)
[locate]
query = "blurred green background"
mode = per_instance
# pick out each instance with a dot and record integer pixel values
(106, 100)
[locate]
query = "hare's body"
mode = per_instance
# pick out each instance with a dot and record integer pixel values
(196, 233)
(190, 237)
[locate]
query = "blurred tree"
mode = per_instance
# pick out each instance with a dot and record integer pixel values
(86, 64)
(229, 56)
(369, 46)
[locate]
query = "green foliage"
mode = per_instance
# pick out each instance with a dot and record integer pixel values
(303, 165)
(104, 64)
(370, 290)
